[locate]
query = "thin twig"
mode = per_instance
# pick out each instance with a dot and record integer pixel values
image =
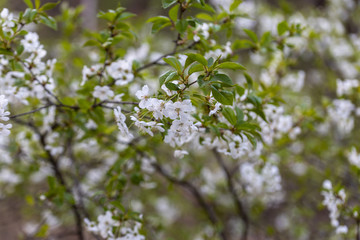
(239, 206)
(197, 195)
(58, 174)
(32, 111)
(156, 61)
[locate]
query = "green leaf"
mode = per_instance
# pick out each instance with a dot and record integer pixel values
(222, 96)
(249, 80)
(265, 39)
(251, 139)
(195, 68)
(125, 15)
(173, 13)
(205, 16)
(188, 62)
(30, 14)
(210, 62)
(43, 231)
(84, 104)
(204, 6)
(198, 58)
(181, 25)
(29, 3)
(235, 4)
(174, 62)
(159, 23)
(239, 116)
(164, 76)
(172, 76)
(231, 65)
(167, 3)
(239, 90)
(282, 27)
(37, 4)
(243, 44)
(222, 79)
(6, 51)
(92, 42)
(229, 115)
(49, 6)
(48, 21)
(172, 86)
(251, 35)
(109, 16)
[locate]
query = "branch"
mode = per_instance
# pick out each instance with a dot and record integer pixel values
(197, 195)
(32, 111)
(240, 208)
(156, 61)
(58, 174)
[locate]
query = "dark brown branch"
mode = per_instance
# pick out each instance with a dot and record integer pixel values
(156, 61)
(32, 111)
(58, 174)
(357, 229)
(197, 195)
(239, 206)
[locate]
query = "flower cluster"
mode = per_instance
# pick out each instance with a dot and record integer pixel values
(354, 157)
(333, 201)
(182, 129)
(4, 128)
(7, 20)
(264, 185)
(340, 113)
(107, 227)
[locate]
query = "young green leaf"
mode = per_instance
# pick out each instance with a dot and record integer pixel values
(167, 3)
(49, 6)
(173, 13)
(223, 79)
(198, 58)
(249, 80)
(282, 27)
(174, 62)
(231, 65)
(222, 96)
(164, 76)
(29, 3)
(251, 35)
(229, 115)
(234, 5)
(197, 67)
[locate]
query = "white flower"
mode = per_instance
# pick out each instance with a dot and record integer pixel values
(31, 42)
(264, 184)
(157, 107)
(89, 72)
(180, 153)
(333, 202)
(202, 30)
(354, 157)
(103, 93)
(345, 87)
(7, 20)
(294, 81)
(147, 127)
(179, 109)
(120, 119)
(121, 71)
(144, 96)
(106, 222)
(341, 230)
(327, 185)
(4, 116)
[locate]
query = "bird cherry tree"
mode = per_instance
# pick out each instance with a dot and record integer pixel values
(206, 122)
